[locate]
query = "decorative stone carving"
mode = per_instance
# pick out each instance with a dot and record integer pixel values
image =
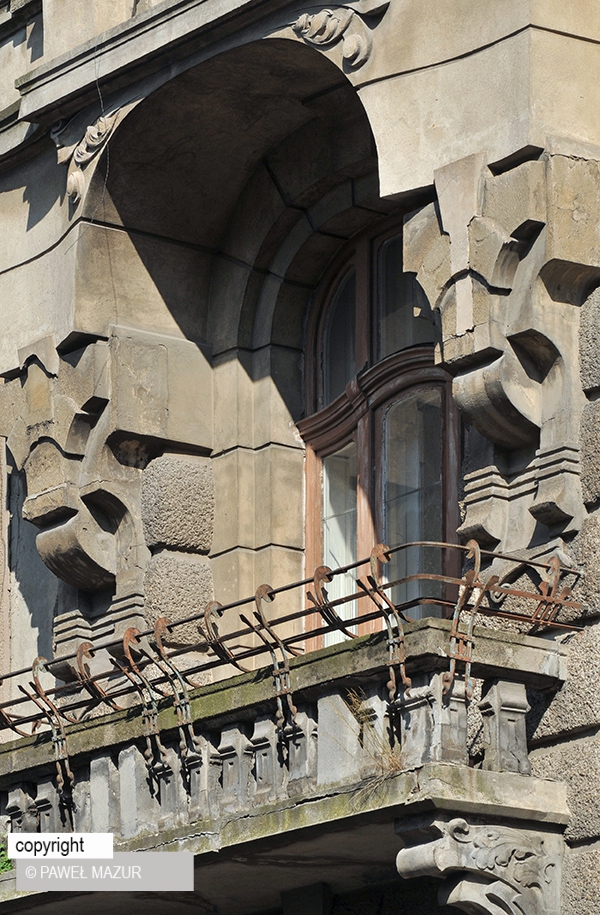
(327, 27)
(266, 773)
(82, 426)
(495, 869)
(496, 258)
(77, 156)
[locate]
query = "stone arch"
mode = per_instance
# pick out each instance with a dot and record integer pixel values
(212, 209)
(217, 205)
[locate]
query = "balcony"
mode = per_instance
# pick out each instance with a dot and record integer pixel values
(297, 754)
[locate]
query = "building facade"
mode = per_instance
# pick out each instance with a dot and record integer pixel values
(286, 289)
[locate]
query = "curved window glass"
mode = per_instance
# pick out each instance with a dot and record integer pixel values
(379, 429)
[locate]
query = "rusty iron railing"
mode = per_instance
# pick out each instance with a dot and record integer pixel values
(141, 670)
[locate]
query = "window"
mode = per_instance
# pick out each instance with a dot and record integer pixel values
(380, 434)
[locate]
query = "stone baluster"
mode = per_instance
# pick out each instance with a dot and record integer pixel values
(433, 725)
(302, 753)
(504, 707)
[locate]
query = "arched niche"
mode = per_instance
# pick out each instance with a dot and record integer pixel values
(218, 204)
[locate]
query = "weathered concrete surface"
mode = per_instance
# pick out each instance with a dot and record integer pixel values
(580, 887)
(576, 764)
(576, 706)
(585, 550)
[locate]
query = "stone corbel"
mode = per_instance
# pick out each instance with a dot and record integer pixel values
(498, 258)
(488, 869)
(82, 427)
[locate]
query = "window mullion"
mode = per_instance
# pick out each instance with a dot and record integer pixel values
(363, 294)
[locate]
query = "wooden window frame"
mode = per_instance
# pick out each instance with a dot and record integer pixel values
(357, 413)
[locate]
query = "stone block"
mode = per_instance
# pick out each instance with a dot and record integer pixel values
(517, 196)
(235, 754)
(312, 257)
(228, 287)
(338, 741)
(301, 161)
(178, 503)
(577, 705)
(279, 504)
(234, 575)
(104, 813)
(504, 706)
(577, 764)
(433, 725)
(259, 206)
(138, 808)
(278, 399)
(67, 27)
(438, 132)
(234, 500)
(287, 327)
(171, 793)
(233, 401)
(302, 752)
(153, 377)
(53, 814)
(573, 234)
(581, 881)
(82, 819)
(177, 585)
(156, 284)
(266, 773)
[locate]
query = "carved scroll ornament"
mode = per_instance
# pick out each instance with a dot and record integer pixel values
(493, 869)
(77, 156)
(326, 27)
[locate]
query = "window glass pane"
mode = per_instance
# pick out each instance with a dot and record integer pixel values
(413, 493)
(399, 295)
(339, 525)
(339, 344)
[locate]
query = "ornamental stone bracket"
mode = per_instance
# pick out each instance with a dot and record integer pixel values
(349, 26)
(88, 425)
(507, 259)
(487, 869)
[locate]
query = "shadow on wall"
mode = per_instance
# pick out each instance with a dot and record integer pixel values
(34, 589)
(229, 190)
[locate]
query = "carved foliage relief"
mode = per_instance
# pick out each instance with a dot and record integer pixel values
(486, 868)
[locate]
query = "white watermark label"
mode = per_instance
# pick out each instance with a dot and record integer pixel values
(53, 845)
(127, 871)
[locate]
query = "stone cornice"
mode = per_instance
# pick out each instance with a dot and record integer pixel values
(156, 40)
